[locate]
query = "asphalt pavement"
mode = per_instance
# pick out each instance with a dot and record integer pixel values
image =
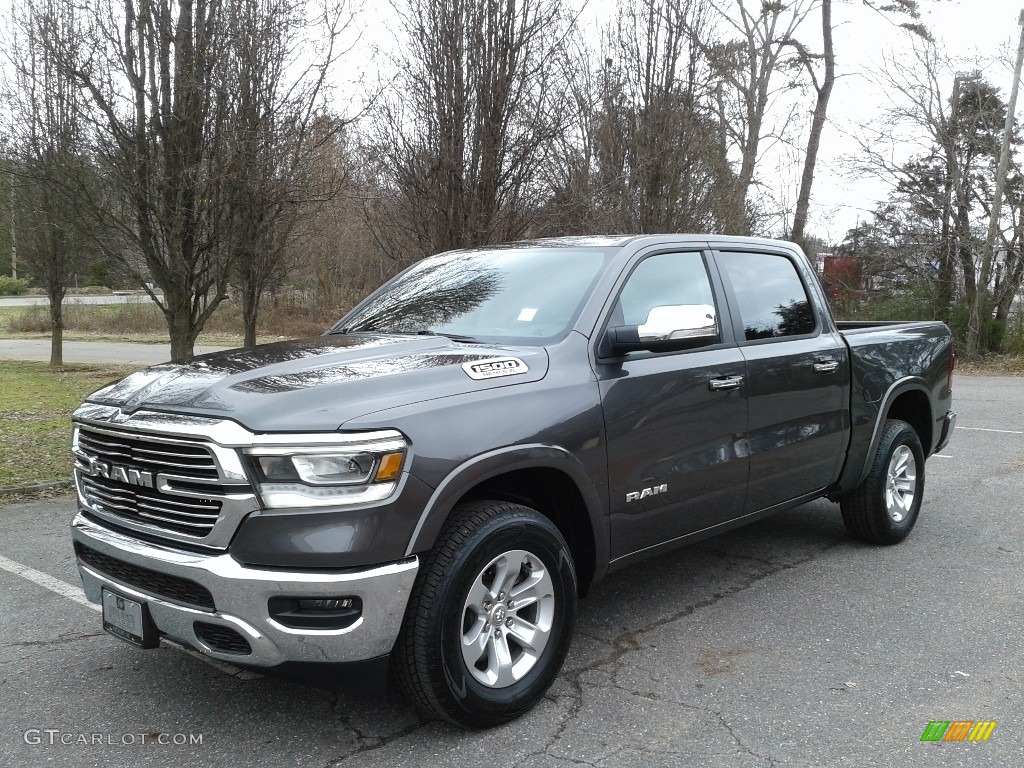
(126, 353)
(103, 298)
(783, 643)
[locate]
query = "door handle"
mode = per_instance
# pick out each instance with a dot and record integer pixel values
(826, 366)
(726, 382)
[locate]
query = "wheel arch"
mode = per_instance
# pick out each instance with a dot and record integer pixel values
(546, 478)
(914, 407)
(907, 400)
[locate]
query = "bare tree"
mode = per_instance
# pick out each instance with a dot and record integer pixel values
(948, 179)
(660, 162)
(8, 231)
(823, 93)
(568, 177)
(906, 15)
(1010, 271)
(342, 259)
(754, 69)
(461, 138)
(277, 63)
(156, 119)
(48, 156)
(643, 148)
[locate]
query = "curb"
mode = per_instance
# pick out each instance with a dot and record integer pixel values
(52, 485)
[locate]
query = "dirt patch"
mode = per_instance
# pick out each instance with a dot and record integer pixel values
(713, 663)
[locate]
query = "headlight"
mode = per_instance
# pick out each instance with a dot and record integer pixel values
(320, 476)
(320, 469)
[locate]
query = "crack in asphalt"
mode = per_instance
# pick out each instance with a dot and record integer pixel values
(739, 742)
(575, 704)
(381, 742)
(628, 642)
(367, 742)
(622, 645)
(716, 552)
(59, 640)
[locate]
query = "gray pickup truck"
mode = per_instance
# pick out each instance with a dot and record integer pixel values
(438, 479)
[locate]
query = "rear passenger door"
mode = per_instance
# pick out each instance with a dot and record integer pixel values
(797, 376)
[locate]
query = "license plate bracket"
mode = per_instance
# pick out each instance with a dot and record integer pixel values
(129, 620)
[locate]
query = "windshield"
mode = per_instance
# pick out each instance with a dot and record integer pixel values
(527, 295)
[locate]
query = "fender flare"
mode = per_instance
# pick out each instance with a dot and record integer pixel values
(897, 388)
(501, 461)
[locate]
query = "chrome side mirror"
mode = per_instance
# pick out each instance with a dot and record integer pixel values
(681, 321)
(668, 329)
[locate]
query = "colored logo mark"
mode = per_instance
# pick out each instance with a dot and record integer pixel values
(958, 730)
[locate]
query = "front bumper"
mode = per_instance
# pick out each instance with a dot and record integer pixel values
(240, 599)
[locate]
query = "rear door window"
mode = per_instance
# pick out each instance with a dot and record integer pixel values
(771, 297)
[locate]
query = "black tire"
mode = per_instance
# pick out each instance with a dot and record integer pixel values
(877, 511)
(429, 662)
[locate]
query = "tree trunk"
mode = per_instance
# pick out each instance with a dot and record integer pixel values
(178, 313)
(737, 223)
(947, 270)
(181, 347)
(1012, 280)
(56, 326)
(817, 125)
(965, 251)
(250, 311)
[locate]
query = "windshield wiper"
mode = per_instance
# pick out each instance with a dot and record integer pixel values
(452, 336)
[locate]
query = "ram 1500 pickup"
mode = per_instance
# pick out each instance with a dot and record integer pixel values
(439, 478)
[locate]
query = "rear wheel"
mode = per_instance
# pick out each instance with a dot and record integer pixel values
(884, 508)
(490, 617)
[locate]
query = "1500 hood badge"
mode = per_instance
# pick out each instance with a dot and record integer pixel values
(495, 367)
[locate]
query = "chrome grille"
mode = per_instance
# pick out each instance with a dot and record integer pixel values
(179, 457)
(189, 515)
(188, 497)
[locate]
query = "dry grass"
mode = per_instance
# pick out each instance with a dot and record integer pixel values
(92, 318)
(143, 321)
(993, 365)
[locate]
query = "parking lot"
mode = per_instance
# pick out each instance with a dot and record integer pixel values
(782, 643)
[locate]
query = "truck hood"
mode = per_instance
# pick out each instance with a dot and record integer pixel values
(318, 384)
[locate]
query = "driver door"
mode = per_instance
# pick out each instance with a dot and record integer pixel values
(676, 421)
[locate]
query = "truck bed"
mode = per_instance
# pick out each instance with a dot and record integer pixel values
(847, 327)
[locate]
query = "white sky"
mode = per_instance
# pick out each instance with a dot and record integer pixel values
(982, 32)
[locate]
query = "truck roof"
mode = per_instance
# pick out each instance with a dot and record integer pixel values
(612, 241)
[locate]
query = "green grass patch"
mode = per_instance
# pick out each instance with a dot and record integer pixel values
(36, 402)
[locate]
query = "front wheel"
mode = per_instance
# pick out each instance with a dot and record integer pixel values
(884, 508)
(490, 617)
